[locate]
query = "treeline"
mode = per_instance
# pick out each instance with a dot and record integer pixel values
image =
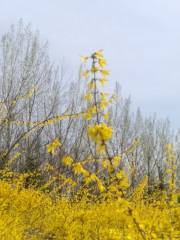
(40, 102)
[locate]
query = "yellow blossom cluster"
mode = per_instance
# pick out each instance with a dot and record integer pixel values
(30, 214)
(51, 148)
(100, 132)
(96, 77)
(67, 160)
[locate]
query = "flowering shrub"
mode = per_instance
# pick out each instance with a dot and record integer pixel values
(87, 198)
(100, 132)
(31, 214)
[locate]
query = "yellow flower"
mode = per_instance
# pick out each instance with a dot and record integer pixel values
(116, 160)
(94, 69)
(91, 178)
(88, 97)
(87, 116)
(104, 72)
(103, 105)
(104, 96)
(124, 183)
(120, 174)
(90, 113)
(101, 148)
(53, 146)
(67, 160)
(91, 85)
(106, 165)
(100, 132)
(102, 81)
(102, 62)
(99, 54)
(100, 186)
(84, 59)
(106, 116)
(78, 169)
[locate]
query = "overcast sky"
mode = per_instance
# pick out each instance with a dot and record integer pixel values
(141, 39)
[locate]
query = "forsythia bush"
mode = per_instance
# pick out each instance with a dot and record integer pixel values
(87, 202)
(31, 214)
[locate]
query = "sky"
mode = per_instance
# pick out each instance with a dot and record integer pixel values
(140, 38)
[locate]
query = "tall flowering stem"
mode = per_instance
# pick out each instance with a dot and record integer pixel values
(99, 132)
